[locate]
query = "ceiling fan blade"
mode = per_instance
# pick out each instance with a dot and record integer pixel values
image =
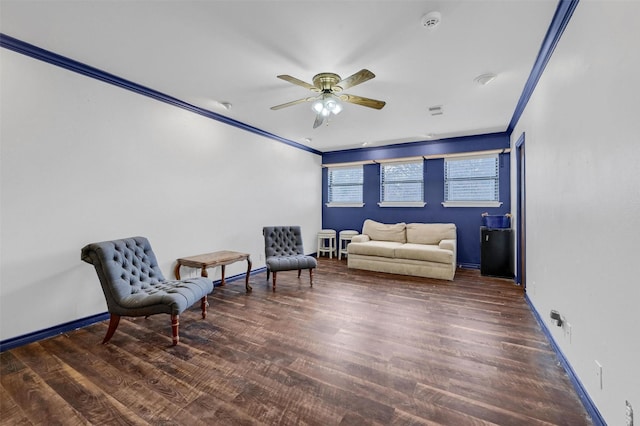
(319, 120)
(359, 100)
(296, 102)
(298, 82)
(357, 78)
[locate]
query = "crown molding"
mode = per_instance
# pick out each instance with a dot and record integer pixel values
(44, 55)
(559, 22)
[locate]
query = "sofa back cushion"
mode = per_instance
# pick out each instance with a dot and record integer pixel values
(384, 232)
(430, 233)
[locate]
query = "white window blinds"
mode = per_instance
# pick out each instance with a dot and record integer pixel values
(471, 179)
(402, 182)
(345, 184)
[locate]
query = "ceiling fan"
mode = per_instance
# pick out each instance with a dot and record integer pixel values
(329, 87)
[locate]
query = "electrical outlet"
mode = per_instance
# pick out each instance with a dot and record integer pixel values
(629, 414)
(599, 373)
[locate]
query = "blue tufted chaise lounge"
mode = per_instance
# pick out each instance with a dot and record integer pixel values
(283, 251)
(134, 285)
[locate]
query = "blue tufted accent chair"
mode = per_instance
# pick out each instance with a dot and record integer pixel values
(283, 251)
(134, 286)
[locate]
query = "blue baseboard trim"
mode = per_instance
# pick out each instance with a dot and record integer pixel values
(591, 408)
(14, 342)
(241, 276)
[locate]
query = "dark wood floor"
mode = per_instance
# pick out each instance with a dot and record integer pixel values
(357, 348)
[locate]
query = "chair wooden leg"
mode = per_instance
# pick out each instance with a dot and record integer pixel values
(113, 324)
(274, 281)
(175, 322)
(268, 271)
(299, 272)
(311, 276)
(204, 304)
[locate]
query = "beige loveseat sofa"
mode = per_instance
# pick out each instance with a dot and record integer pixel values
(418, 249)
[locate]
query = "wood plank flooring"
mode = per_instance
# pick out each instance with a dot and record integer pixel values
(357, 348)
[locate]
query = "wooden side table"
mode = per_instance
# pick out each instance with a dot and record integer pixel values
(210, 260)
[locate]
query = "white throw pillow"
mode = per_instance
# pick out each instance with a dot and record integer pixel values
(430, 233)
(384, 232)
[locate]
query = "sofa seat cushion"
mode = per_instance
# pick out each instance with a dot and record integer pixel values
(178, 295)
(374, 248)
(290, 263)
(426, 252)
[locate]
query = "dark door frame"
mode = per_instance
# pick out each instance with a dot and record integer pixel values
(521, 216)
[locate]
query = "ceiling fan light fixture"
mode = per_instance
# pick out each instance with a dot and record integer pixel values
(334, 107)
(317, 106)
(327, 105)
(327, 102)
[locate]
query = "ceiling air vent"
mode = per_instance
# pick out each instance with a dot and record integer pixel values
(436, 110)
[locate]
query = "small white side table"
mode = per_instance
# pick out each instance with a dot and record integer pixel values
(345, 239)
(327, 242)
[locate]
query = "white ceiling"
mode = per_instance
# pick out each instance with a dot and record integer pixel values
(207, 52)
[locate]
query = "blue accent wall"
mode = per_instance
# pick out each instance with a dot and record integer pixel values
(467, 219)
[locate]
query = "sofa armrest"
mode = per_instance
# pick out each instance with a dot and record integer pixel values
(448, 245)
(360, 238)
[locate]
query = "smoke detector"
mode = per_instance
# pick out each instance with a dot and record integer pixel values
(222, 104)
(431, 20)
(485, 79)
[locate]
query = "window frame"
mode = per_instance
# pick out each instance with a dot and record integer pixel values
(472, 203)
(331, 203)
(414, 203)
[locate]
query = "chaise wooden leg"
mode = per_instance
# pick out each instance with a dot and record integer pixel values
(311, 276)
(299, 272)
(113, 324)
(204, 304)
(175, 322)
(274, 281)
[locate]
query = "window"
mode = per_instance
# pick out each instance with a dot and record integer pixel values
(471, 181)
(402, 184)
(345, 186)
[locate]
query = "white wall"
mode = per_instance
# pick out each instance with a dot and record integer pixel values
(84, 161)
(582, 131)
